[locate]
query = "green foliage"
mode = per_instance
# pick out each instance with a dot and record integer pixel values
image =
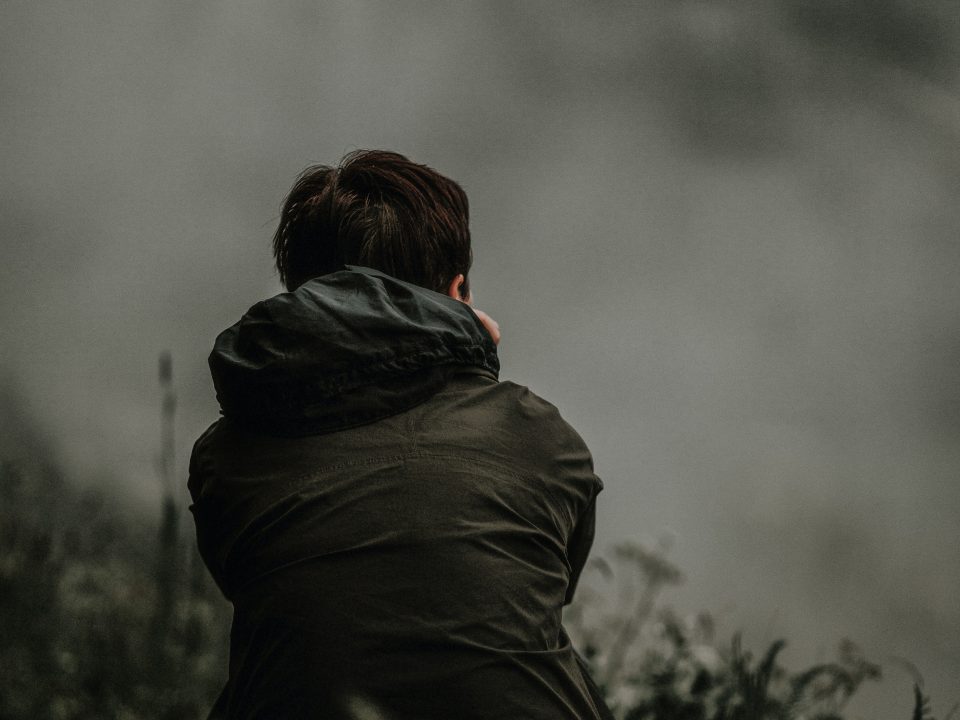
(653, 665)
(96, 617)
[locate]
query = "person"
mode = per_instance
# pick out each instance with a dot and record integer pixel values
(396, 529)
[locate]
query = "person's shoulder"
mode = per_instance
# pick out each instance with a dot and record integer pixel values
(199, 458)
(547, 436)
(206, 438)
(528, 406)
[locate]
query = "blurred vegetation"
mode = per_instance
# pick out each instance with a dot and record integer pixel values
(99, 619)
(106, 617)
(654, 665)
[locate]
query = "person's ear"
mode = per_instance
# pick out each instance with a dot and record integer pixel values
(453, 290)
(491, 325)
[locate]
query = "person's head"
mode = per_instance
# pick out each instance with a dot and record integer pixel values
(380, 210)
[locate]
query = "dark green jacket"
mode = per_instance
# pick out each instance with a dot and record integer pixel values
(396, 529)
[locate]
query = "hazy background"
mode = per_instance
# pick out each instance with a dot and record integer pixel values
(721, 236)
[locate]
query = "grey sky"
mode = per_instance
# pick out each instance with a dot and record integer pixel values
(722, 238)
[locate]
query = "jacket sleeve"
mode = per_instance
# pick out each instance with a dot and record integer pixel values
(578, 549)
(204, 524)
(566, 466)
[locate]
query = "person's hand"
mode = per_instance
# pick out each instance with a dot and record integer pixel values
(489, 323)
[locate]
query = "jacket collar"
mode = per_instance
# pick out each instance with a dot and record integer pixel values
(344, 349)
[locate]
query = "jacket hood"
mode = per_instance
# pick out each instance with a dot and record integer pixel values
(344, 349)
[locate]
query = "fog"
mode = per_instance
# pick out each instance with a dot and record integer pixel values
(721, 237)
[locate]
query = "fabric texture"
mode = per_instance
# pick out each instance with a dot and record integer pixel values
(396, 528)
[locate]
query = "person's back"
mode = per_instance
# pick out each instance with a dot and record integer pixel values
(397, 530)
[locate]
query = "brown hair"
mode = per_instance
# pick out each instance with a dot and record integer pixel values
(376, 209)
